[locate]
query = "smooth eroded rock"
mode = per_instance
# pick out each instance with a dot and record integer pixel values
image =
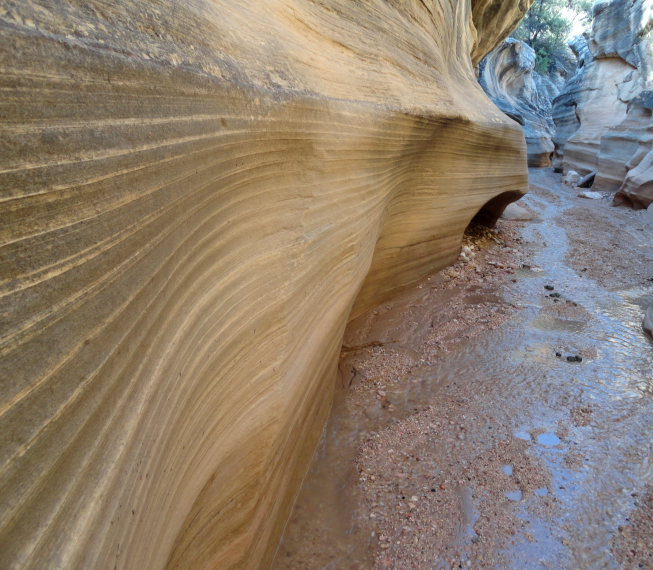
(516, 212)
(590, 195)
(508, 76)
(603, 115)
(571, 178)
(196, 198)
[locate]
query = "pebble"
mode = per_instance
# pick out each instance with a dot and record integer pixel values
(549, 287)
(590, 195)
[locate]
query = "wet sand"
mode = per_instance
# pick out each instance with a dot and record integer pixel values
(499, 414)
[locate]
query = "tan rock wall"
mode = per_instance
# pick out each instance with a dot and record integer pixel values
(195, 197)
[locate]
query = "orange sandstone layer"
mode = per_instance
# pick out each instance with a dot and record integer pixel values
(195, 199)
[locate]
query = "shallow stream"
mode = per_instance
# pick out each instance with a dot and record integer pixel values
(570, 375)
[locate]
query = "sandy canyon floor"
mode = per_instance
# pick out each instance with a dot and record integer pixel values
(499, 414)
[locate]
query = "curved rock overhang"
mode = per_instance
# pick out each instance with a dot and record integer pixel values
(196, 198)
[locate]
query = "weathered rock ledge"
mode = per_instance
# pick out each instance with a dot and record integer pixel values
(196, 197)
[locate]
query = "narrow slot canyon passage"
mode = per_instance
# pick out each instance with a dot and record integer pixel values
(326, 285)
(499, 414)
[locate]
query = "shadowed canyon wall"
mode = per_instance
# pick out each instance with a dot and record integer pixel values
(508, 76)
(196, 198)
(603, 115)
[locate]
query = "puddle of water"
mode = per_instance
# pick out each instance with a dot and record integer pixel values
(525, 385)
(550, 323)
(514, 495)
(548, 439)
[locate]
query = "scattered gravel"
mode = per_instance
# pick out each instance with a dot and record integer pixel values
(633, 546)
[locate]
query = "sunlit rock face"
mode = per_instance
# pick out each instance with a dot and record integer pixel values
(196, 198)
(603, 115)
(508, 76)
(494, 20)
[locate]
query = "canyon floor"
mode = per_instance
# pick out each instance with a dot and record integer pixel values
(500, 413)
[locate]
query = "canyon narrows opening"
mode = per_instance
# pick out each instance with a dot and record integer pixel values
(500, 413)
(222, 223)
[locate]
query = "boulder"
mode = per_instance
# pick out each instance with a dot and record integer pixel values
(590, 195)
(515, 212)
(197, 198)
(508, 76)
(571, 178)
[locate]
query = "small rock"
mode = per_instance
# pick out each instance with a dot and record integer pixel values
(590, 195)
(549, 287)
(517, 213)
(571, 178)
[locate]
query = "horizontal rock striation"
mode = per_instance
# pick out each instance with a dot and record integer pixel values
(196, 198)
(508, 76)
(603, 115)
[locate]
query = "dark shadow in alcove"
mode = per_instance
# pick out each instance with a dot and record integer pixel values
(489, 214)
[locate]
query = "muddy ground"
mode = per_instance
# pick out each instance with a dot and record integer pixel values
(499, 414)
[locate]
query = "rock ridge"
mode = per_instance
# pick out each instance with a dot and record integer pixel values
(196, 199)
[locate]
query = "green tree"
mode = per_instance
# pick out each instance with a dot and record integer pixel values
(547, 26)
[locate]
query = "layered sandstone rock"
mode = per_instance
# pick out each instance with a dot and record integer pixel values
(508, 76)
(626, 158)
(602, 121)
(196, 197)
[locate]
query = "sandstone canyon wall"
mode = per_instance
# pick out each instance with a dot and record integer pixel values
(603, 117)
(508, 76)
(196, 197)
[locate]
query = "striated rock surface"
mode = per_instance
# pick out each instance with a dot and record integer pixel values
(626, 159)
(603, 114)
(196, 198)
(494, 20)
(508, 76)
